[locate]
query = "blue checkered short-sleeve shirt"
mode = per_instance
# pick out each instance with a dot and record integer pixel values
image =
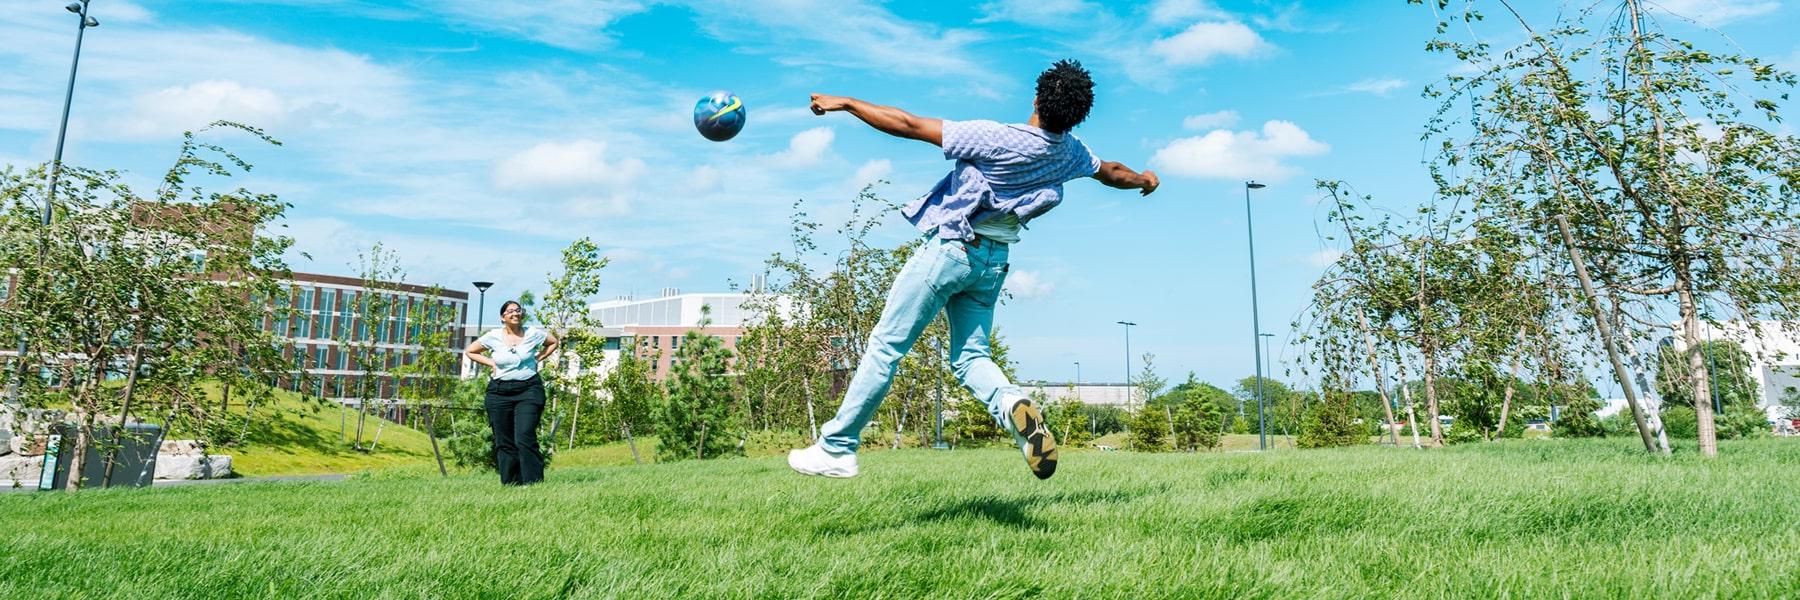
(1000, 168)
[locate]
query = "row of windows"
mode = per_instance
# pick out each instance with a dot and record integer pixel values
(333, 358)
(330, 313)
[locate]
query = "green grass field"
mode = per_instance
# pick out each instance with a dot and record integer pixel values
(1517, 519)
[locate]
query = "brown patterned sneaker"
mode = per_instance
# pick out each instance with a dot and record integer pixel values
(1037, 443)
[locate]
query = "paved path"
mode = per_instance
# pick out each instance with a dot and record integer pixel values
(31, 486)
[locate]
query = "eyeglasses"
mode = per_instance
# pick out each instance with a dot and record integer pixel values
(513, 311)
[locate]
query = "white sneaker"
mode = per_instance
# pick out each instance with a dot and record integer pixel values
(814, 460)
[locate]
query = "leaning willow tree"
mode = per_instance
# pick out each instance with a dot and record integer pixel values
(1614, 147)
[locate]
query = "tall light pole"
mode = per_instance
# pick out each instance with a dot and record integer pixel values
(83, 22)
(1127, 325)
(480, 310)
(1262, 419)
(481, 306)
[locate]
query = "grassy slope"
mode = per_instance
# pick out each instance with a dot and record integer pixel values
(299, 437)
(1521, 518)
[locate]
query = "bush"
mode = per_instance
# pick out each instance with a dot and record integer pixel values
(1737, 422)
(1150, 430)
(1681, 422)
(1330, 424)
(1743, 421)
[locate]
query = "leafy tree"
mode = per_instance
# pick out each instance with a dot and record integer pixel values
(634, 399)
(1578, 419)
(368, 337)
(154, 291)
(1728, 363)
(566, 316)
(1198, 409)
(1068, 421)
(1331, 423)
(1150, 429)
(696, 420)
(1656, 159)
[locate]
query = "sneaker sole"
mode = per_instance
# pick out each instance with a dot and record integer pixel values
(1040, 446)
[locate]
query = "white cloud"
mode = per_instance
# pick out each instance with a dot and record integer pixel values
(870, 172)
(185, 107)
(1168, 12)
(1200, 43)
(806, 148)
(579, 164)
(1716, 12)
(841, 33)
(1379, 87)
(118, 11)
(1026, 285)
(1224, 154)
(1324, 258)
(575, 24)
(1210, 121)
(1037, 13)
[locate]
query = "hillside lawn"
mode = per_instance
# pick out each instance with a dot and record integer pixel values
(1524, 518)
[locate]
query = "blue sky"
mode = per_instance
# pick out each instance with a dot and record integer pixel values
(477, 138)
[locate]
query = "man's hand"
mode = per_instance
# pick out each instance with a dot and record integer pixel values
(1150, 183)
(822, 103)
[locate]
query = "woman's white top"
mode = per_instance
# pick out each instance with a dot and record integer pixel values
(514, 362)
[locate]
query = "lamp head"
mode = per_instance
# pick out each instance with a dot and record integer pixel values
(1254, 185)
(74, 7)
(483, 285)
(90, 22)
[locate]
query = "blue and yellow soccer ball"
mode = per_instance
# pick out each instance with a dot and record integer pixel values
(719, 116)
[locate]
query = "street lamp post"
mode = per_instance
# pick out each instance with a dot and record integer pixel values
(1078, 372)
(1127, 325)
(481, 308)
(1262, 419)
(62, 132)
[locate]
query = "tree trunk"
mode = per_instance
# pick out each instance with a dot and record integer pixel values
(1412, 418)
(575, 421)
(1431, 401)
(1387, 407)
(630, 442)
(1506, 404)
(112, 451)
(1604, 326)
(1702, 378)
(812, 419)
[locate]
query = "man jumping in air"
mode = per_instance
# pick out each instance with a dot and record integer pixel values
(1005, 176)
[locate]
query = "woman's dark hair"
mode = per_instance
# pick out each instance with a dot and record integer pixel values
(507, 303)
(1065, 93)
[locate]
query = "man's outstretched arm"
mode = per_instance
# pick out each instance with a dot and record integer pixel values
(888, 119)
(1122, 177)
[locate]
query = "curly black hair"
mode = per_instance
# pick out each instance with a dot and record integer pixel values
(1065, 93)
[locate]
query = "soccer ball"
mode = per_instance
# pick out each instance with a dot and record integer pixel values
(719, 116)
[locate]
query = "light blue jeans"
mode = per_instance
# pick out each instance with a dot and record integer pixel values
(962, 279)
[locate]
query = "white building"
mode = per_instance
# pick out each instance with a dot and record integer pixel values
(1774, 349)
(1093, 394)
(654, 327)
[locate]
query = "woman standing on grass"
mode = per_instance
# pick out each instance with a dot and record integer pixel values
(515, 394)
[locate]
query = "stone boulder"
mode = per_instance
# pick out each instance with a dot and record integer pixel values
(23, 470)
(193, 466)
